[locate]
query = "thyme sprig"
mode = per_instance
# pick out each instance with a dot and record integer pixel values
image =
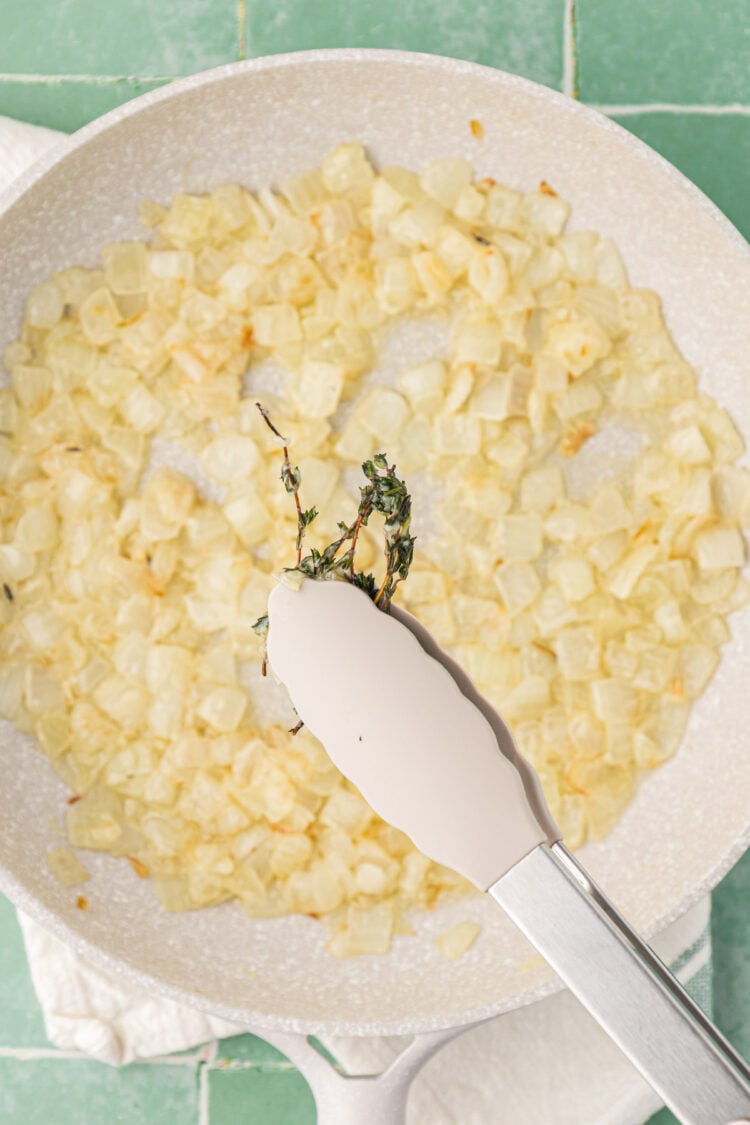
(383, 493)
(386, 494)
(291, 478)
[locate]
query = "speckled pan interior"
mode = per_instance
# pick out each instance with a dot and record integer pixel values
(256, 122)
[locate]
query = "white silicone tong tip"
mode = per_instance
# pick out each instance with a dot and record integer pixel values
(402, 722)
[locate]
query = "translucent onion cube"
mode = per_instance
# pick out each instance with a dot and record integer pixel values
(622, 577)
(579, 345)
(45, 627)
(719, 548)
(578, 653)
(458, 435)
(66, 867)
(123, 701)
(100, 317)
(722, 435)
(126, 267)
(669, 619)
(520, 536)
(276, 325)
(665, 725)
(321, 479)
(424, 385)
(541, 488)
(31, 386)
(231, 458)
(488, 274)
(44, 305)
(433, 275)
(731, 492)
(53, 733)
(397, 286)
(142, 410)
(614, 700)
(385, 200)
(455, 250)
(573, 574)
(347, 167)
(249, 517)
(480, 341)
(553, 612)
(510, 452)
(695, 667)
(318, 388)
(458, 940)
(369, 928)
(11, 690)
(445, 179)
(689, 446)
(519, 585)
(176, 265)
(528, 700)
(223, 708)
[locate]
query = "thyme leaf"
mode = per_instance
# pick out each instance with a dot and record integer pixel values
(383, 492)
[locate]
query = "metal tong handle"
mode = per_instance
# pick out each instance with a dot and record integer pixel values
(624, 985)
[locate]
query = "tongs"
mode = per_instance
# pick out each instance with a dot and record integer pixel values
(405, 724)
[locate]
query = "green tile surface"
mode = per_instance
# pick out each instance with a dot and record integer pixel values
(249, 1049)
(523, 37)
(69, 103)
(56, 1091)
(712, 151)
(137, 37)
(731, 946)
(258, 1097)
(730, 935)
(680, 51)
(65, 62)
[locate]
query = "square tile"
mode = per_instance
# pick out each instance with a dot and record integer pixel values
(525, 38)
(259, 1097)
(73, 1092)
(140, 37)
(67, 104)
(713, 151)
(249, 1049)
(663, 1117)
(679, 51)
(21, 1023)
(730, 933)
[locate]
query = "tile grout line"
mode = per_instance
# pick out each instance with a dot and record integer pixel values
(241, 17)
(85, 79)
(569, 77)
(203, 1106)
(29, 1054)
(672, 107)
(569, 81)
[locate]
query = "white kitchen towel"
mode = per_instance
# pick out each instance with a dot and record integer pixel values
(20, 145)
(542, 1064)
(547, 1064)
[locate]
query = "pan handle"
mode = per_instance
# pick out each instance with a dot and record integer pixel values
(370, 1099)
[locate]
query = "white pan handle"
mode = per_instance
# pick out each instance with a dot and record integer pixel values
(378, 1099)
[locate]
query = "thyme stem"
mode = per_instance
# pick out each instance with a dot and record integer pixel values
(384, 493)
(288, 474)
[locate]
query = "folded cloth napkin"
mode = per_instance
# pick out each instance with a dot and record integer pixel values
(545, 1063)
(20, 146)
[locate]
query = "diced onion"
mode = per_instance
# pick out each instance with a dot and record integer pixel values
(589, 606)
